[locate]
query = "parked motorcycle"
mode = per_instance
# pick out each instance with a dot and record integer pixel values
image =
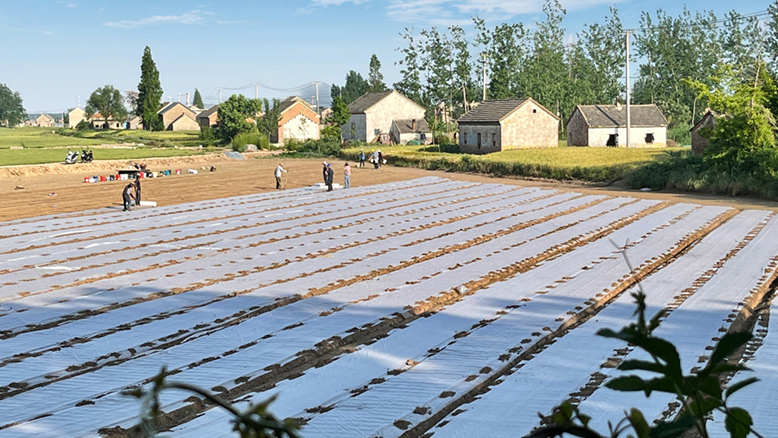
(86, 157)
(71, 157)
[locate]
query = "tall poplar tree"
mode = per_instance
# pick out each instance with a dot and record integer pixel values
(149, 93)
(198, 99)
(410, 84)
(374, 78)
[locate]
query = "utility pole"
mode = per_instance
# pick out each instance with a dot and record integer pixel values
(220, 95)
(256, 90)
(187, 99)
(316, 85)
(627, 32)
(483, 64)
(179, 97)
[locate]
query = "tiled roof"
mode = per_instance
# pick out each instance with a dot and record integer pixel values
(366, 101)
(612, 116)
(209, 112)
(406, 126)
(290, 101)
(491, 111)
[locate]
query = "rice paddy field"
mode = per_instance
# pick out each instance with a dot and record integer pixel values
(426, 307)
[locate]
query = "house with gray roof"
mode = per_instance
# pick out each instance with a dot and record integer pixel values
(372, 114)
(209, 117)
(498, 125)
(701, 131)
(405, 130)
(606, 125)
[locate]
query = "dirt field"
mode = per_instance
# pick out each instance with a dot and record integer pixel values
(234, 178)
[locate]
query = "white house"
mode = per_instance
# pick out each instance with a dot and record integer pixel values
(606, 125)
(372, 114)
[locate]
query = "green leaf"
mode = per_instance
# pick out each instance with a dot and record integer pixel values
(639, 423)
(728, 344)
(738, 422)
(739, 385)
(627, 383)
(628, 365)
(672, 429)
(662, 349)
(726, 368)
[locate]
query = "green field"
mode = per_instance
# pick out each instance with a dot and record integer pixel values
(42, 156)
(563, 163)
(178, 138)
(39, 138)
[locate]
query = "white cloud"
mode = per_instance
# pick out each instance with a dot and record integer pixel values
(193, 17)
(72, 5)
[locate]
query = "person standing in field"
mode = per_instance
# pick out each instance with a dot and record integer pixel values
(279, 171)
(374, 159)
(137, 190)
(347, 176)
(330, 177)
(361, 158)
(324, 171)
(380, 158)
(127, 194)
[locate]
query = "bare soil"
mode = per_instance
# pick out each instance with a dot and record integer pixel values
(27, 191)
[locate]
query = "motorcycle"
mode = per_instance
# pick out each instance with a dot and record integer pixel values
(86, 157)
(71, 157)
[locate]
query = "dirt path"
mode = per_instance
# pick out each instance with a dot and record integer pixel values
(233, 178)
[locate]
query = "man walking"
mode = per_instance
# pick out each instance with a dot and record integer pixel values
(127, 195)
(279, 171)
(330, 177)
(347, 176)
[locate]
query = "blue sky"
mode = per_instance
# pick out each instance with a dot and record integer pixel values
(57, 50)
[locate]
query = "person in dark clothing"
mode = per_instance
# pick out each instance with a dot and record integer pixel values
(330, 177)
(324, 171)
(380, 158)
(127, 194)
(137, 190)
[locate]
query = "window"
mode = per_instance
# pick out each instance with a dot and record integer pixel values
(376, 131)
(613, 140)
(534, 111)
(479, 140)
(494, 139)
(464, 138)
(649, 138)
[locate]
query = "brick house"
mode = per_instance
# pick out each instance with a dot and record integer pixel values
(372, 114)
(606, 125)
(75, 116)
(45, 120)
(498, 125)
(701, 132)
(97, 121)
(403, 131)
(172, 112)
(209, 117)
(298, 121)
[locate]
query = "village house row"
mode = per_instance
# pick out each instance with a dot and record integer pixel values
(391, 118)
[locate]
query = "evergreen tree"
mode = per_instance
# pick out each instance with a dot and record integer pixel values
(268, 123)
(12, 111)
(374, 77)
(339, 117)
(107, 101)
(198, 99)
(355, 86)
(149, 93)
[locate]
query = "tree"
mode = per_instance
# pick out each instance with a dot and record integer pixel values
(132, 101)
(198, 99)
(149, 93)
(410, 84)
(374, 78)
(268, 123)
(12, 111)
(107, 101)
(505, 55)
(339, 117)
(236, 115)
(462, 80)
(355, 86)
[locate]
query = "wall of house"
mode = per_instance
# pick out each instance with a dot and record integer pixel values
(699, 142)
(299, 128)
(74, 117)
(357, 124)
(392, 107)
(577, 130)
(490, 138)
(599, 136)
(175, 112)
(530, 127)
(184, 124)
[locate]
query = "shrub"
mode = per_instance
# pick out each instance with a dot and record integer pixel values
(330, 133)
(207, 136)
(82, 126)
(680, 134)
(241, 140)
(316, 147)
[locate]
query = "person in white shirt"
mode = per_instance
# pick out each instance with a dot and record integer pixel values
(278, 174)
